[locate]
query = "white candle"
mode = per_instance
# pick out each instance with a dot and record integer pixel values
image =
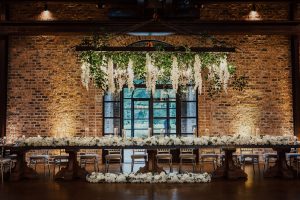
(115, 131)
(23, 136)
(39, 136)
(257, 132)
(123, 133)
(149, 132)
(195, 132)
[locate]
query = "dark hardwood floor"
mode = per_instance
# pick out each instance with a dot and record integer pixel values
(255, 188)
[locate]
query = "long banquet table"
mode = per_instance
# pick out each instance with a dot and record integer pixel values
(228, 170)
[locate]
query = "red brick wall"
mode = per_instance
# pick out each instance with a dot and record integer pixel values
(45, 95)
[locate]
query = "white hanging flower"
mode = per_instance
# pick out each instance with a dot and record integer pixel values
(152, 74)
(85, 74)
(121, 78)
(224, 73)
(130, 75)
(110, 78)
(197, 74)
(185, 76)
(175, 74)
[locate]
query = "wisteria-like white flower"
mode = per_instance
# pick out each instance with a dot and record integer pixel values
(130, 75)
(175, 74)
(110, 72)
(152, 74)
(224, 73)
(197, 74)
(121, 78)
(85, 74)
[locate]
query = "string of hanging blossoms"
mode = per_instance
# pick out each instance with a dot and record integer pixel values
(111, 71)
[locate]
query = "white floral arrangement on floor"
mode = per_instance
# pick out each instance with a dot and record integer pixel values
(96, 177)
(237, 139)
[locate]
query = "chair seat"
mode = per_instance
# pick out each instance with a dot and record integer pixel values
(139, 156)
(89, 156)
(292, 155)
(209, 155)
(37, 157)
(164, 156)
(249, 155)
(5, 160)
(113, 156)
(270, 155)
(187, 156)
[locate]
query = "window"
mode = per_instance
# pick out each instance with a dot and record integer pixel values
(137, 110)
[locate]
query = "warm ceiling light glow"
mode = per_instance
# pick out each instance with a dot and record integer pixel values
(254, 15)
(46, 14)
(150, 33)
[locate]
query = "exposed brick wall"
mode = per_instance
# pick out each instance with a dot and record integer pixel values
(45, 91)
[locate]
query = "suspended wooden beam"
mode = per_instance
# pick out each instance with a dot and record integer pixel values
(194, 27)
(195, 1)
(168, 49)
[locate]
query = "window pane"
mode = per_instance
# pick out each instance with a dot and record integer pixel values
(127, 124)
(127, 93)
(189, 94)
(159, 124)
(127, 113)
(172, 105)
(141, 93)
(141, 133)
(172, 112)
(112, 109)
(141, 124)
(160, 105)
(112, 97)
(141, 114)
(173, 124)
(187, 125)
(188, 109)
(110, 124)
(160, 113)
(127, 103)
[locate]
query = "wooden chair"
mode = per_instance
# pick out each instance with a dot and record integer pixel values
(209, 156)
(114, 155)
(253, 157)
(89, 157)
(138, 156)
(59, 160)
(4, 162)
(270, 156)
(40, 157)
(164, 154)
(187, 155)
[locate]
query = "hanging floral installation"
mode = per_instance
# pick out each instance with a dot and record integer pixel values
(111, 71)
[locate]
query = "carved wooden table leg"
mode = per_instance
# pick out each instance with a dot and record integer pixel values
(72, 170)
(281, 168)
(229, 169)
(151, 164)
(21, 170)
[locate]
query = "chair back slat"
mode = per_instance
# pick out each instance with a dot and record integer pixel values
(114, 151)
(186, 151)
(163, 151)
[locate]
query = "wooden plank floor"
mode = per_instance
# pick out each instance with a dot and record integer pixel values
(255, 188)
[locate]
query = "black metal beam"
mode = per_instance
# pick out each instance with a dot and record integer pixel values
(188, 28)
(141, 49)
(122, 1)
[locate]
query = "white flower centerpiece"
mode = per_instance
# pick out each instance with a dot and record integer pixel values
(96, 177)
(237, 139)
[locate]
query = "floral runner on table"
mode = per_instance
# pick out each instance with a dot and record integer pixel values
(149, 178)
(237, 139)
